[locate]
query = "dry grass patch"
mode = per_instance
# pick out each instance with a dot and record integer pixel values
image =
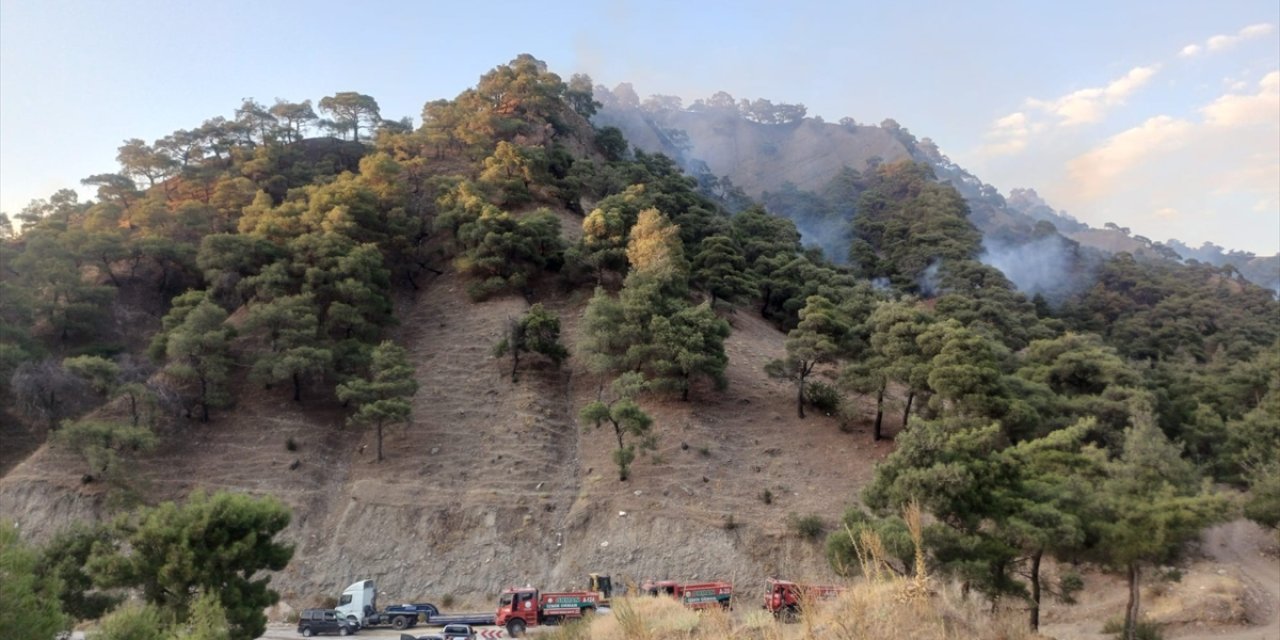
(867, 611)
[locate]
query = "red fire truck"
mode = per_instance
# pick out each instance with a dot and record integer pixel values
(785, 599)
(519, 609)
(700, 595)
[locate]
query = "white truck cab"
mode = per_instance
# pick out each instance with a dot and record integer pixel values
(358, 601)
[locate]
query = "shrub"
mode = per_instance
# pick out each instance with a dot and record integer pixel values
(809, 527)
(291, 444)
(1146, 630)
(766, 496)
(822, 397)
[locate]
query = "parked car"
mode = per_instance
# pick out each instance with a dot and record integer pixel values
(449, 632)
(314, 621)
(459, 632)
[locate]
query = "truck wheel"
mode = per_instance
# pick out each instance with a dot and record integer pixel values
(342, 631)
(400, 622)
(515, 628)
(306, 632)
(587, 612)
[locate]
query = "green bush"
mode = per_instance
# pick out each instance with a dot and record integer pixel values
(1146, 630)
(822, 397)
(809, 527)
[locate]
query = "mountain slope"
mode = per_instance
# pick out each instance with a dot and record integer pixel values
(496, 483)
(805, 153)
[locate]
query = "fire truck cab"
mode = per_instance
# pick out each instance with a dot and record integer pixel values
(786, 599)
(519, 609)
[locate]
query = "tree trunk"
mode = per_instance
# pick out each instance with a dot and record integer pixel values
(911, 395)
(204, 400)
(297, 388)
(1035, 589)
(1131, 612)
(875, 431)
(133, 408)
(800, 396)
(53, 410)
(110, 274)
(379, 441)
(515, 362)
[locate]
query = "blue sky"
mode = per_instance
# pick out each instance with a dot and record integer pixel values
(1160, 116)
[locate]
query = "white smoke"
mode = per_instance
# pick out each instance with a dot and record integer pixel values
(929, 281)
(1040, 266)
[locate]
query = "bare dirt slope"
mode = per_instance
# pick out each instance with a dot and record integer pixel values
(1243, 551)
(496, 483)
(1227, 589)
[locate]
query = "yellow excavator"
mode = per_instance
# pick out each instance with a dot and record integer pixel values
(601, 585)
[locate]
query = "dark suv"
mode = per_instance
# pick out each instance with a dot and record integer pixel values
(313, 621)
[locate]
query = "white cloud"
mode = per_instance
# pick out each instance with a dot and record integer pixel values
(1235, 109)
(1166, 213)
(1090, 105)
(1256, 30)
(1007, 135)
(1095, 172)
(1221, 42)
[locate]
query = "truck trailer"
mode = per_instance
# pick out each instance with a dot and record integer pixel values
(695, 595)
(359, 602)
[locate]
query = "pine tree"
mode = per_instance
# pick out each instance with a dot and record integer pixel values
(383, 397)
(199, 352)
(817, 339)
(31, 608)
(625, 416)
(219, 544)
(1152, 503)
(537, 331)
(294, 351)
(721, 269)
(686, 346)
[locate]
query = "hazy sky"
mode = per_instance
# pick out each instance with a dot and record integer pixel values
(1160, 116)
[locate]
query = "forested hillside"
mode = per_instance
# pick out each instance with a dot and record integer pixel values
(510, 329)
(806, 169)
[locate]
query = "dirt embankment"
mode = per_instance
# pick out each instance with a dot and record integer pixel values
(496, 483)
(1227, 589)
